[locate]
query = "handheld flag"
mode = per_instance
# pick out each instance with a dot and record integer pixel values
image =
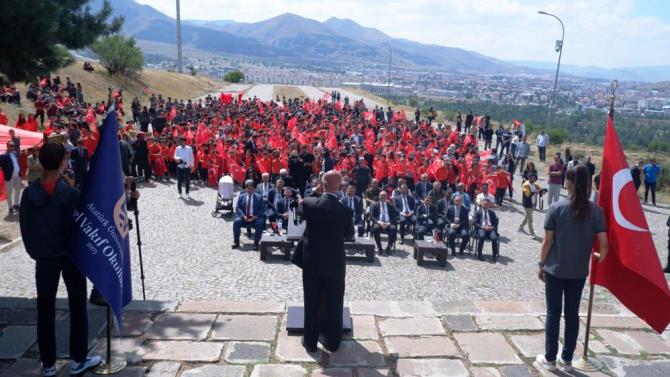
(632, 270)
(99, 243)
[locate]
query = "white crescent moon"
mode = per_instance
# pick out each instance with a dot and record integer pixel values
(620, 179)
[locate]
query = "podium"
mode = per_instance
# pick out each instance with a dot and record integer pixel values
(295, 321)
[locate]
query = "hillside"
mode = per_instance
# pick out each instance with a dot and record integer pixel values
(95, 84)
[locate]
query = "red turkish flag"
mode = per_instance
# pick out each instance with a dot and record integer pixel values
(631, 270)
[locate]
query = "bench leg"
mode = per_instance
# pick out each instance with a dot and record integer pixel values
(370, 254)
(442, 259)
(419, 258)
(287, 253)
(264, 252)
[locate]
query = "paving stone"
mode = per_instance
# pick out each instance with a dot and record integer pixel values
(650, 342)
(181, 326)
(289, 348)
(429, 346)
(537, 307)
(455, 307)
(509, 322)
(461, 323)
(357, 354)
(595, 346)
(278, 370)
(215, 371)
(333, 372)
(599, 308)
(393, 308)
(370, 372)
(232, 307)
(637, 368)
(529, 345)
(22, 317)
(182, 350)
(135, 323)
(432, 368)
(245, 327)
(30, 368)
(153, 306)
(621, 342)
(246, 352)
(126, 349)
(11, 302)
(97, 321)
(131, 372)
(487, 348)
(504, 307)
(517, 371)
(411, 326)
(616, 322)
(16, 340)
(364, 327)
(484, 372)
(164, 369)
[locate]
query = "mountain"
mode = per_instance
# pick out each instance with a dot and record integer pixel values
(646, 74)
(292, 38)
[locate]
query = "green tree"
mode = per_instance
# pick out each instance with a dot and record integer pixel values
(557, 135)
(234, 76)
(119, 55)
(36, 32)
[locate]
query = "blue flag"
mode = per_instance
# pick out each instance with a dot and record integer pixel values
(99, 243)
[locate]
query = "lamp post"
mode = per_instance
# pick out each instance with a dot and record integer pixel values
(180, 68)
(388, 94)
(559, 49)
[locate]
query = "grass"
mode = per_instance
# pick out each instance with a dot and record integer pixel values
(288, 92)
(95, 84)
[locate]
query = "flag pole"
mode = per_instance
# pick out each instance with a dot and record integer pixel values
(585, 363)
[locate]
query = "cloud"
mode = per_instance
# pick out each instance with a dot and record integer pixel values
(608, 33)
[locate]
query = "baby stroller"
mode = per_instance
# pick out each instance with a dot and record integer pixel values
(224, 198)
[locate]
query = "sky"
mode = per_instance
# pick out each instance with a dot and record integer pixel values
(605, 33)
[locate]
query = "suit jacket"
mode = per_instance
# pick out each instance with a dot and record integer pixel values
(7, 165)
(328, 224)
(411, 204)
(259, 189)
(256, 203)
(421, 189)
(79, 160)
(425, 217)
(282, 208)
(443, 205)
(493, 218)
(358, 207)
(375, 212)
(462, 217)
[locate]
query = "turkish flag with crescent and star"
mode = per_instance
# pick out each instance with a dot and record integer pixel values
(631, 270)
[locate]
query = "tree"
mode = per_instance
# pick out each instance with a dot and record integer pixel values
(234, 76)
(36, 32)
(119, 55)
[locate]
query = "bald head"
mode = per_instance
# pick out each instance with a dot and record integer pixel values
(331, 181)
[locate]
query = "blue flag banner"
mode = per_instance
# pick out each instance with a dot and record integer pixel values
(99, 243)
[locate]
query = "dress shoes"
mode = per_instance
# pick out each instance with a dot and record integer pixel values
(388, 250)
(255, 247)
(481, 257)
(308, 349)
(667, 269)
(236, 246)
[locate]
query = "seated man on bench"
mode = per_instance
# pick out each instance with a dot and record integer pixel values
(457, 225)
(356, 204)
(284, 205)
(384, 219)
(426, 218)
(250, 211)
(486, 225)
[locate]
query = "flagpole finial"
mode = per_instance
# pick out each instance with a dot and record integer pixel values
(613, 86)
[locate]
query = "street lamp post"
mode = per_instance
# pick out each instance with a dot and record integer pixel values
(388, 94)
(559, 49)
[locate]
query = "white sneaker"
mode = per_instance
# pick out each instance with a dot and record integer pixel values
(188, 196)
(566, 365)
(49, 372)
(90, 362)
(180, 196)
(542, 364)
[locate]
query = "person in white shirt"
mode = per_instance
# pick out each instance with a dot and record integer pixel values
(484, 195)
(183, 157)
(10, 169)
(542, 141)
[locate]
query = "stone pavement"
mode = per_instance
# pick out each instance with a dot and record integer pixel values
(390, 338)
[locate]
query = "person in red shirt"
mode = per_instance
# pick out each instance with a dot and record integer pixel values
(503, 183)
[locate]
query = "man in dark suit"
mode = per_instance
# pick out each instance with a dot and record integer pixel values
(356, 204)
(271, 203)
(426, 215)
(456, 225)
(422, 187)
(79, 162)
(264, 186)
(328, 224)
(406, 206)
(284, 205)
(250, 210)
(384, 219)
(486, 225)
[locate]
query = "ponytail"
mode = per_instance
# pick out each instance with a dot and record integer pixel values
(581, 180)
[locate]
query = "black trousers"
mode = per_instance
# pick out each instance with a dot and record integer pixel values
(451, 238)
(420, 230)
(183, 178)
(392, 231)
(648, 186)
(404, 223)
(324, 300)
(47, 276)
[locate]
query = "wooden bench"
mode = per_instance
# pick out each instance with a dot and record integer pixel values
(275, 240)
(438, 248)
(362, 245)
